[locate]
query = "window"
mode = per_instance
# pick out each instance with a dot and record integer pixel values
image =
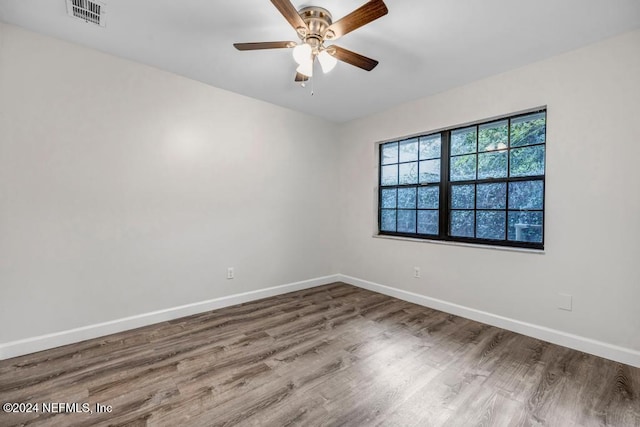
(478, 184)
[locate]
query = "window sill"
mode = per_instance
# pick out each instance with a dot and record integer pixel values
(469, 245)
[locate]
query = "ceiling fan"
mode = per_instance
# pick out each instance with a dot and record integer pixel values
(314, 26)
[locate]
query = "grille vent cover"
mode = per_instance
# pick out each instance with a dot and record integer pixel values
(90, 11)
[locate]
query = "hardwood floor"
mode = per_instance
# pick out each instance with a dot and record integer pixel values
(332, 355)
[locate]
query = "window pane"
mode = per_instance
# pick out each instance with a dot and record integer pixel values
(462, 196)
(428, 197)
(389, 153)
(490, 225)
(494, 183)
(462, 223)
(525, 195)
(430, 171)
(409, 173)
(428, 222)
(525, 226)
(527, 161)
(528, 130)
(388, 198)
(409, 150)
(430, 147)
(389, 175)
(463, 168)
(492, 164)
(492, 196)
(493, 136)
(388, 220)
(463, 141)
(407, 198)
(407, 221)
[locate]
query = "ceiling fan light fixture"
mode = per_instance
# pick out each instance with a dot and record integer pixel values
(306, 68)
(302, 53)
(327, 62)
(314, 25)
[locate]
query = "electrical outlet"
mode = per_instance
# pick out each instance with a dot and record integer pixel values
(230, 273)
(416, 272)
(565, 302)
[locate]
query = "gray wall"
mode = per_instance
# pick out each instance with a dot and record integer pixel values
(592, 236)
(125, 189)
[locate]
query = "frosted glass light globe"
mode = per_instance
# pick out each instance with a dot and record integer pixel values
(306, 68)
(327, 62)
(301, 53)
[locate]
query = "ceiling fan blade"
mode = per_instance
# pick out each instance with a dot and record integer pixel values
(301, 77)
(263, 45)
(290, 14)
(366, 13)
(352, 58)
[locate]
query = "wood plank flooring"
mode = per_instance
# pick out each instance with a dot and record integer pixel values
(333, 355)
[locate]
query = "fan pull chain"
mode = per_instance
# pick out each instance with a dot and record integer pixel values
(312, 74)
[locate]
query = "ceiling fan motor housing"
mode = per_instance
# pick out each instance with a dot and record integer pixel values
(318, 20)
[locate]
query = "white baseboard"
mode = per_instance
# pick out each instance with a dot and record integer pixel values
(587, 345)
(57, 339)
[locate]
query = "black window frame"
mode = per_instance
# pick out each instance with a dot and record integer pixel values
(445, 185)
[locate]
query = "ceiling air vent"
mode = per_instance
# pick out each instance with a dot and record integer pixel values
(89, 11)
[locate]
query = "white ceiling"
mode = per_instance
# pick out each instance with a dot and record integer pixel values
(424, 47)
